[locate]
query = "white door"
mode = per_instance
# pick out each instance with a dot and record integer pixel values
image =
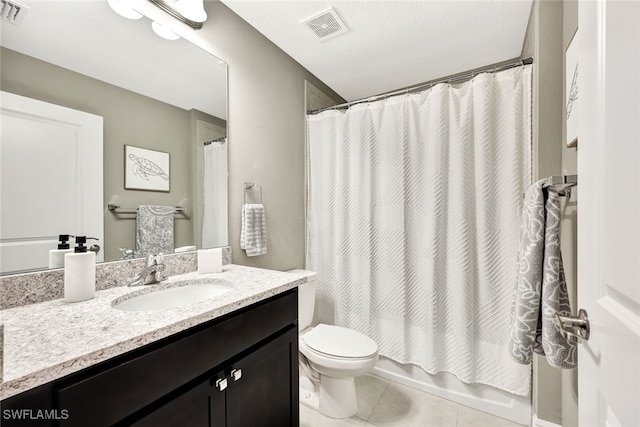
(51, 162)
(609, 212)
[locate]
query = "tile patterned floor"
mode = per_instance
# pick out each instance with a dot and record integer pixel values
(383, 403)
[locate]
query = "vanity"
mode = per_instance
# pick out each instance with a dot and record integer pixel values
(231, 360)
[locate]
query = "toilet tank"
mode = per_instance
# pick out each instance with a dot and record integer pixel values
(306, 299)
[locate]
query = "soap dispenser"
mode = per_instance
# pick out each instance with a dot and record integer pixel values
(79, 273)
(56, 256)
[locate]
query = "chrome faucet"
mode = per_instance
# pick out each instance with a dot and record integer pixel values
(152, 271)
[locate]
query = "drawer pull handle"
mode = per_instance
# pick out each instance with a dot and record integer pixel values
(236, 374)
(221, 384)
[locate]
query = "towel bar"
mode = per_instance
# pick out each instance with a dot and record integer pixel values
(564, 182)
(119, 209)
(568, 180)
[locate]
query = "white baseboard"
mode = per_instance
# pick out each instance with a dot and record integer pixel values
(537, 422)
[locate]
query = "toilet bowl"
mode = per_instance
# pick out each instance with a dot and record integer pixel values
(330, 358)
(338, 355)
(338, 352)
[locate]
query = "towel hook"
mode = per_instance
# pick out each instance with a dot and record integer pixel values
(248, 186)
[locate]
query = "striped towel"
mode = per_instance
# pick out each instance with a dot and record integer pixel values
(253, 231)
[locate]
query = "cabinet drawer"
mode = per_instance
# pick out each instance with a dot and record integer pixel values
(154, 371)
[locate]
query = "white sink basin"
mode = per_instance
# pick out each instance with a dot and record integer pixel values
(182, 294)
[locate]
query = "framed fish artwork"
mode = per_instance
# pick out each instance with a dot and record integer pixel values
(146, 169)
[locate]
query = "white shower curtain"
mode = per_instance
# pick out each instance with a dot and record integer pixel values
(413, 223)
(214, 221)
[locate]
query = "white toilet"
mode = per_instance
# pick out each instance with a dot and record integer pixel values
(330, 358)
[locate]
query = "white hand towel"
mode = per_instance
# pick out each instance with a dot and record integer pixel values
(253, 230)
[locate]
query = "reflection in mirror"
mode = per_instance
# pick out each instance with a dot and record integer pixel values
(168, 98)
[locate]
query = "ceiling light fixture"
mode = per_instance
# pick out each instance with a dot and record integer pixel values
(188, 12)
(192, 10)
(163, 31)
(160, 4)
(123, 8)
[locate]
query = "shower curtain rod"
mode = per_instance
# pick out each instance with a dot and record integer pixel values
(221, 139)
(455, 78)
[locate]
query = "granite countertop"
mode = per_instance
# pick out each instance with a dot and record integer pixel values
(48, 340)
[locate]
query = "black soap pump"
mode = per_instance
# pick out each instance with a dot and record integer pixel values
(79, 272)
(56, 256)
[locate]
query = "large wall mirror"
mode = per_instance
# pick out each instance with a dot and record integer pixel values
(164, 99)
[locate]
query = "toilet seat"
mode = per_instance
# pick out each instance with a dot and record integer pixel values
(338, 342)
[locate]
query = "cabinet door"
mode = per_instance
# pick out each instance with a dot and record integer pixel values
(192, 408)
(266, 392)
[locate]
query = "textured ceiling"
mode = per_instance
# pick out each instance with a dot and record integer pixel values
(392, 44)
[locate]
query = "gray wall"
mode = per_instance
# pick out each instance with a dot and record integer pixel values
(129, 119)
(543, 42)
(266, 134)
(551, 26)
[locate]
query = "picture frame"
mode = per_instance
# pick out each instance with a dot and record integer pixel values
(571, 92)
(147, 170)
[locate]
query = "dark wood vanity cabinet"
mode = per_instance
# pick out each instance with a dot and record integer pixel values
(237, 371)
(257, 392)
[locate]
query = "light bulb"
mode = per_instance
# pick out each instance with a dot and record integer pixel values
(193, 10)
(123, 8)
(163, 31)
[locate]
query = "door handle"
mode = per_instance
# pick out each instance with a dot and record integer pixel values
(574, 328)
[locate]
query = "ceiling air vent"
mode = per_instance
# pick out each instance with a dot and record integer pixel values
(12, 11)
(326, 24)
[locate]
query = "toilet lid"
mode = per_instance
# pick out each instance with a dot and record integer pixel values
(340, 342)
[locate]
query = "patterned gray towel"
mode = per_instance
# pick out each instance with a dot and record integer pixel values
(541, 290)
(154, 230)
